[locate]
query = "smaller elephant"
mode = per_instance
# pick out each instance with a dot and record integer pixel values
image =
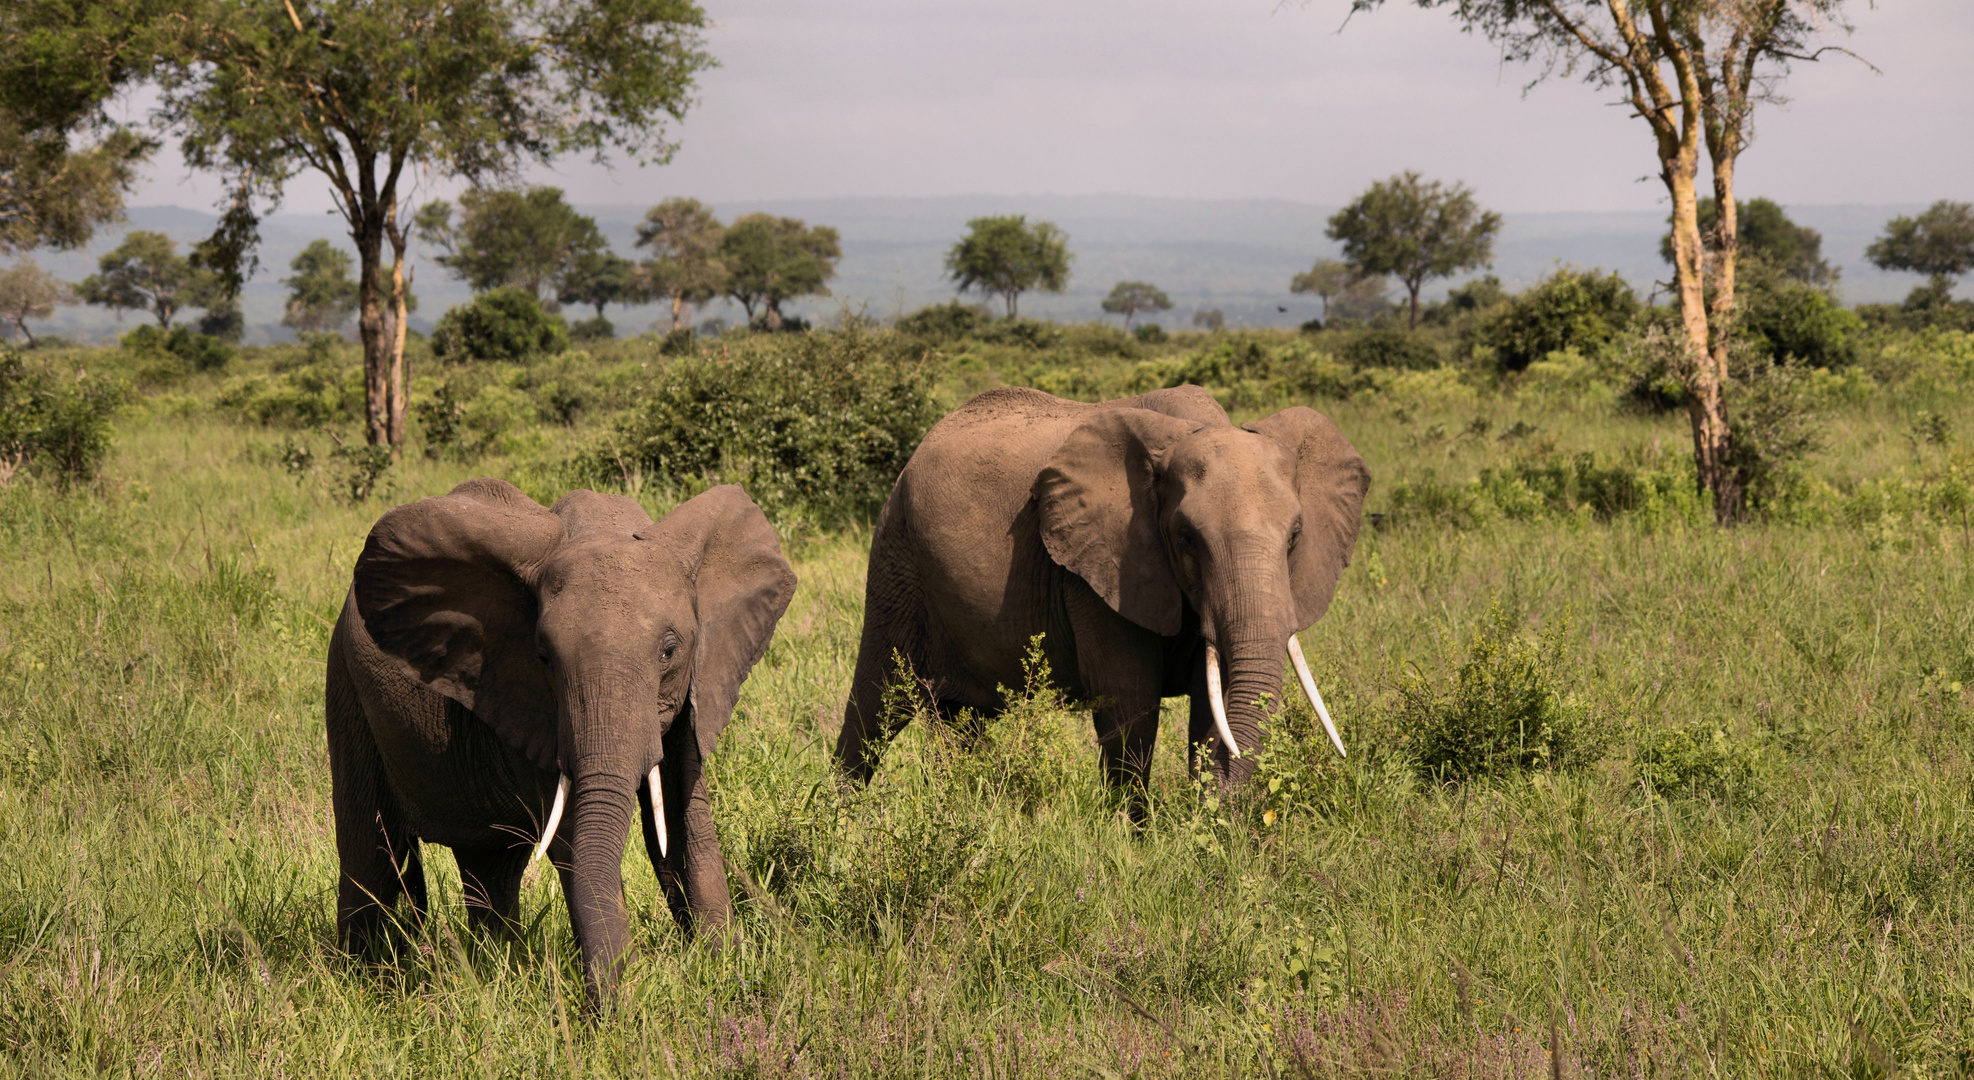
(503, 672)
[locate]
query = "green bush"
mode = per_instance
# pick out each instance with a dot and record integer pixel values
(945, 322)
(307, 397)
(54, 426)
(180, 349)
(1570, 309)
(363, 469)
(1404, 350)
(1021, 333)
(1149, 333)
(1506, 709)
(821, 421)
(500, 324)
(597, 329)
(1784, 319)
(1695, 760)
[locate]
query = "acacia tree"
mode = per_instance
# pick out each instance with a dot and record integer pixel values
(685, 241)
(1414, 229)
(596, 278)
(771, 260)
(525, 239)
(1127, 298)
(1693, 71)
(1938, 243)
(144, 273)
(1328, 278)
(1006, 256)
(29, 292)
(362, 91)
(321, 294)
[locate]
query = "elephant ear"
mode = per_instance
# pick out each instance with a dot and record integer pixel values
(1098, 503)
(1331, 480)
(742, 586)
(446, 588)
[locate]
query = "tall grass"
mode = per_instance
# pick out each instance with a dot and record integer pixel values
(167, 857)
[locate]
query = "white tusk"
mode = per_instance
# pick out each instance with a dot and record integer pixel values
(1218, 703)
(658, 810)
(554, 817)
(1315, 696)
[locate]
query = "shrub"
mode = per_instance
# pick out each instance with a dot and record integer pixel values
(1404, 350)
(597, 329)
(1784, 319)
(678, 342)
(946, 322)
(179, 348)
(1570, 309)
(1021, 333)
(56, 427)
(1505, 711)
(307, 397)
(1149, 333)
(501, 324)
(1695, 760)
(823, 422)
(363, 469)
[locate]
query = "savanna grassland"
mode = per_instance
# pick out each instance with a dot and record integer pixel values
(1628, 794)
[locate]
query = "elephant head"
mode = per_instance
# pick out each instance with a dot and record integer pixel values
(582, 635)
(1248, 527)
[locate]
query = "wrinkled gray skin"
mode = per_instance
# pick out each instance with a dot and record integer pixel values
(489, 644)
(1131, 533)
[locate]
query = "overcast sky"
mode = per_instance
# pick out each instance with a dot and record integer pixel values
(1232, 99)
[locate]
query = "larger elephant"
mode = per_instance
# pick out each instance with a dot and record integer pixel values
(1159, 549)
(497, 664)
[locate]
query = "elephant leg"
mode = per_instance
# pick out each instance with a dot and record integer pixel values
(375, 847)
(693, 871)
(894, 628)
(1119, 664)
(491, 881)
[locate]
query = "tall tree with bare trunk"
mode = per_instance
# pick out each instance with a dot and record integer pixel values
(1693, 71)
(364, 92)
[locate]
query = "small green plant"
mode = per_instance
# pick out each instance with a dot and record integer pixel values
(59, 427)
(1506, 709)
(295, 457)
(440, 418)
(1696, 760)
(363, 469)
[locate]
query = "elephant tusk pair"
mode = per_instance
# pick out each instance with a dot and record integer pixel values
(1315, 696)
(1218, 702)
(554, 817)
(562, 800)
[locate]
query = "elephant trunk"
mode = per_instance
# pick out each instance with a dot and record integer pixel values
(1252, 673)
(603, 803)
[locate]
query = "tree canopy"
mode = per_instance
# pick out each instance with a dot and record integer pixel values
(1764, 231)
(29, 292)
(523, 239)
(1127, 298)
(1006, 256)
(597, 278)
(321, 292)
(1938, 243)
(771, 260)
(64, 164)
(686, 266)
(1414, 229)
(144, 273)
(1328, 278)
(359, 91)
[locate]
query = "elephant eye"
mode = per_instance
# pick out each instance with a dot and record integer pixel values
(668, 650)
(1295, 534)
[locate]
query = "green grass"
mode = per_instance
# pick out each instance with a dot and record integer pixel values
(167, 858)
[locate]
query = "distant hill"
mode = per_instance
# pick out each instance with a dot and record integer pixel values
(1233, 254)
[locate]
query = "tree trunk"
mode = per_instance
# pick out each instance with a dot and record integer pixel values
(1412, 287)
(1705, 364)
(367, 231)
(678, 311)
(400, 284)
(1014, 307)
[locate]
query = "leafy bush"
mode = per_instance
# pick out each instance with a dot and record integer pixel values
(500, 324)
(53, 426)
(1695, 760)
(1570, 309)
(678, 342)
(1546, 484)
(946, 322)
(363, 469)
(1784, 319)
(1021, 333)
(176, 351)
(1505, 711)
(597, 329)
(1149, 333)
(1404, 350)
(824, 422)
(306, 397)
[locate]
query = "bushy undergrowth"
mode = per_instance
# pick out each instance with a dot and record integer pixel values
(55, 425)
(1509, 707)
(500, 324)
(814, 421)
